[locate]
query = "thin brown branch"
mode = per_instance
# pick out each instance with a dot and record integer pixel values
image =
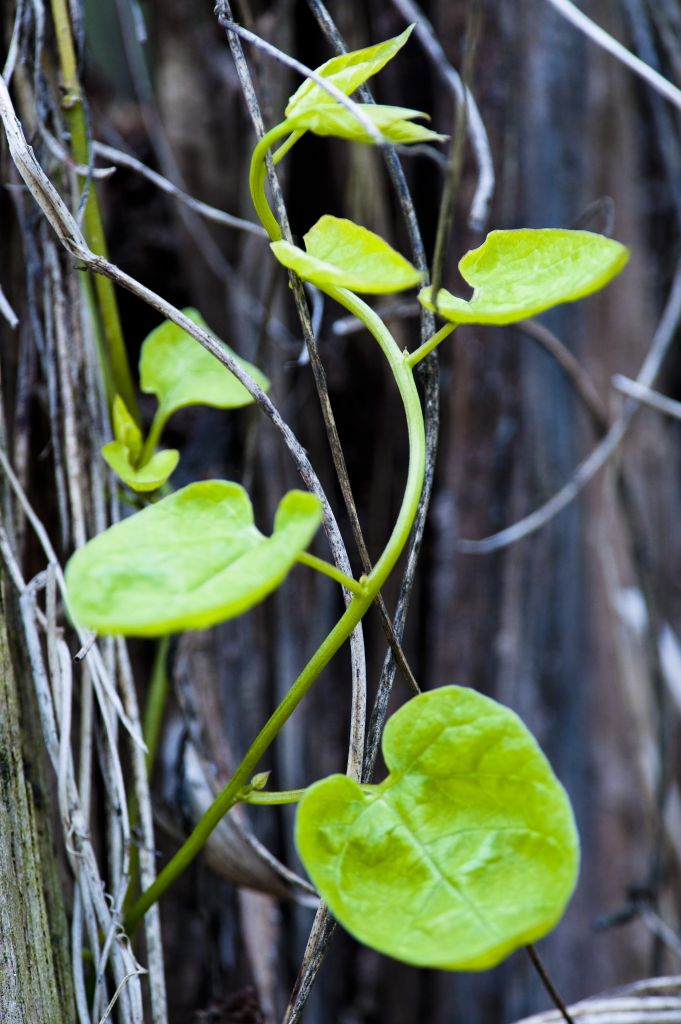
(482, 199)
(603, 39)
(587, 470)
(212, 213)
(646, 396)
(548, 984)
(577, 376)
(455, 163)
(6, 310)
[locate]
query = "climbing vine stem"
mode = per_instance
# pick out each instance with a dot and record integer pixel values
(355, 611)
(117, 373)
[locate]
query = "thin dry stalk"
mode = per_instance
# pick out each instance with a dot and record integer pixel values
(588, 469)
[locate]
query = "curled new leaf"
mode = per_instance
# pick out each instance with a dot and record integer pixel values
(149, 477)
(396, 124)
(466, 851)
(175, 368)
(124, 454)
(346, 255)
(347, 72)
(517, 274)
(187, 562)
(125, 429)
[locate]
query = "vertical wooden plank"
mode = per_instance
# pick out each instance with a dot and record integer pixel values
(34, 984)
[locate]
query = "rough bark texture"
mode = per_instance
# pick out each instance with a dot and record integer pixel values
(35, 983)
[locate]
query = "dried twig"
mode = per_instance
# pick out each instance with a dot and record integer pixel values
(121, 159)
(479, 211)
(7, 312)
(577, 376)
(455, 162)
(646, 396)
(14, 43)
(587, 470)
(548, 984)
(603, 39)
(654, 1001)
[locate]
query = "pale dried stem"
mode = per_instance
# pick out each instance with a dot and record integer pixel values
(146, 842)
(588, 469)
(212, 213)
(646, 396)
(338, 549)
(6, 311)
(603, 39)
(484, 190)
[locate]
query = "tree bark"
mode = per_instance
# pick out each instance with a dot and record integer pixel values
(35, 986)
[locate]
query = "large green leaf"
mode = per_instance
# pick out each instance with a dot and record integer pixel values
(187, 562)
(517, 274)
(466, 851)
(346, 255)
(180, 372)
(394, 123)
(347, 72)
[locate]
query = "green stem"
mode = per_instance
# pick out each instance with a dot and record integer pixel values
(423, 350)
(154, 436)
(156, 702)
(273, 799)
(354, 586)
(286, 146)
(355, 611)
(256, 178)
(92, 221)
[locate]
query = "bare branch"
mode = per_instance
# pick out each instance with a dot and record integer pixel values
(121, 159)
(587, 470)
(603, 39)
(7, 311)
(479, 211)
(646, 396)
(577, 376)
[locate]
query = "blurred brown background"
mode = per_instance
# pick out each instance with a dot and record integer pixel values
(544, 625)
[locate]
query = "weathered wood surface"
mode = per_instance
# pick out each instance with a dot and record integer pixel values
(34, 974)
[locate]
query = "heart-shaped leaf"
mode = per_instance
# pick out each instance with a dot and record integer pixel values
(466, 851)
(187, 562)
(149, 477)
(346, 255)
(175, 368)
(517, 274)
(394, 123)
(347, 72)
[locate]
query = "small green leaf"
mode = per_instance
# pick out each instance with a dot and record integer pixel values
(126, 430)
(175, 368)
(347, 72)
(346, 255)
(191, 560)
(517, 274)
(466, 851)
(149, 477)
(394, 123)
